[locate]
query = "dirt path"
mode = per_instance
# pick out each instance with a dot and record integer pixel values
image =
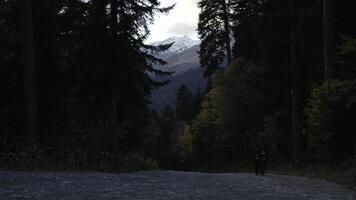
(165, 185)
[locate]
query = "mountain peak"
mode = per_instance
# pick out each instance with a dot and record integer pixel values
(182, 59)
(179, 43)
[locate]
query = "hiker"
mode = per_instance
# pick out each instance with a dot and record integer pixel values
(261, 162)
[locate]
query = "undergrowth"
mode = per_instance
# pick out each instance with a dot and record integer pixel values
(37, 158)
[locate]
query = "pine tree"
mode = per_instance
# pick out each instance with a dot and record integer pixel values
(184, 104)
(295, 91)
(136, 61)
(168, 139)
(246, 28)
(29, 70)
(110, 64)
(328, 37)
(214, 32)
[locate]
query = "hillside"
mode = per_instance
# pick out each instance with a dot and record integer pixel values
(186, 67)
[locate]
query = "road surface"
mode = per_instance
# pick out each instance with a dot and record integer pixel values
(167, 185)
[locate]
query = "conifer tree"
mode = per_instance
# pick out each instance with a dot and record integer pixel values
(29, 62)
(328, 38)
(295, 86)
(129, 27)
(246, 28)
(214, 32)
(184, 104)
(112, 63)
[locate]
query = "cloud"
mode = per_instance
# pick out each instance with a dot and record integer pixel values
(182, 29)
(182, 20)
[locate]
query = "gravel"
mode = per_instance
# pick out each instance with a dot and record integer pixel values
(165, 185)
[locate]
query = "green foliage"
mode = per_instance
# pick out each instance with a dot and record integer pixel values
(229, 116)
(93, 79)
(330, 120)
(161, 138)
(348, 47)
(186, 143)
(168, 140)
(346, 58)
(204, 131)
(93, 74)
(243, 13)
(152, 134)
(30, 157)
(275, 135)
(212, 34)
(251, 104)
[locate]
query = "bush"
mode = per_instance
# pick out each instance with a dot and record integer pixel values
(125, 162)
(276, 135)
(346, 59)
(34, 157)
(185, 144)
(331, 121)
(29, 157)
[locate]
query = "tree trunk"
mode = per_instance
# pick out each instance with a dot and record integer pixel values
(354, 145)
(294, 78)
(328, 37)
(113, 119)
(29, 72)
(227, 31)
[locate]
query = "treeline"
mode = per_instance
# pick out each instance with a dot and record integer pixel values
(289, 86)
(75, 76)
(164, 129)
(75, 80)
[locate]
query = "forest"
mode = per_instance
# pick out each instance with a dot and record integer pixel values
(76, 78)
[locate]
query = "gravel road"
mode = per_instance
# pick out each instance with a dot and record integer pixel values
(165, 185)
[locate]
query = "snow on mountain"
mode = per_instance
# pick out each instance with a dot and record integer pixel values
(180, 44)
(182, 59)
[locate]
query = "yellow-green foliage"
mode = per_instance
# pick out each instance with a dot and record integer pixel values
(348, 46)
(185, 143)
(227, 114)
(276, 133)
(204, 131)
(346, 59)
(327, 105)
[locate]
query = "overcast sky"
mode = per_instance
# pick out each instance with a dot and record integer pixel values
(182, 20)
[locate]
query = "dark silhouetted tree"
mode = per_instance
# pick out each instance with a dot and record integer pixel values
(184, 104)
(328, 36)
(29, 62)
(214, 32)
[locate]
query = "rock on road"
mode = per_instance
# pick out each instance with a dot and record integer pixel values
(165, 185)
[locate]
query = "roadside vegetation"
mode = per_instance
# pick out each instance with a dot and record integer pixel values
(76, 78)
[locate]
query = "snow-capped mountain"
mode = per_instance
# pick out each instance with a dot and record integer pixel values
(180, 44)
(182, 59)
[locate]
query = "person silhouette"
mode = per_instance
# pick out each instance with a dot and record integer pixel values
(261, 162)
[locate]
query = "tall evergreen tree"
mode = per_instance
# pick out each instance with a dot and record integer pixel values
(136, 61)
(246, 25)
(115, 56)
(295, 111)
(168, 139)
(214, 32)
(328, 35)
(29, 70)
(184, 104)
